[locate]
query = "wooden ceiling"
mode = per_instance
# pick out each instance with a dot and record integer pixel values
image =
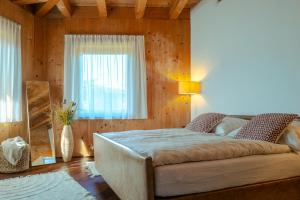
(43, 7)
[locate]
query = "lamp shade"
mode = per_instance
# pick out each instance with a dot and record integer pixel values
(189, 87)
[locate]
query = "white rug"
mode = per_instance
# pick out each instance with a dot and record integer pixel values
(92, 171)
(49, 186)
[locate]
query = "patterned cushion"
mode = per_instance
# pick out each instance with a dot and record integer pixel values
(205, 122)
(266, 127)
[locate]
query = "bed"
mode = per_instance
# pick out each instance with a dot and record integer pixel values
(136, 171)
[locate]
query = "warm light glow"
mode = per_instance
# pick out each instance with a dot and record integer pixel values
(198, 105)
(83, 148)
(189, 87)
(198, 73)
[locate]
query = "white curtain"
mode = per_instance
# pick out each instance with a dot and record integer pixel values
(10, 71)
(106, 76)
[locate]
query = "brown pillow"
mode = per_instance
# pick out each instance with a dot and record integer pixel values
(205, 122)
(266, 127)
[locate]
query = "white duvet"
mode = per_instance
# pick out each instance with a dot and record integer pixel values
(173, 146)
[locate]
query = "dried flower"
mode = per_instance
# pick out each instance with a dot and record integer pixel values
(65, 113)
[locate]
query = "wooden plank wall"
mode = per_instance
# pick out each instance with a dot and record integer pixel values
(168, 60)
(17, 14)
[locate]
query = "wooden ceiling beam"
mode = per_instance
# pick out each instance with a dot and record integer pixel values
(101, 5)
(25, 2)
(65, 8)
(177, 8)
(140, 8)
(44, 9)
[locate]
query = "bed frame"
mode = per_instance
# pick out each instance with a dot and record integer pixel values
(131, 176)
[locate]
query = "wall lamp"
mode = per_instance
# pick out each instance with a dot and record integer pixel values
(189, 87)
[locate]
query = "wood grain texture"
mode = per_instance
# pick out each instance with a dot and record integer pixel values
(24, 2)
(38, 104)
(65, 8)
(101, 5)
(44, 9)
(167, 44)
(177, 8)
(131, 3)
(26, 20)
(140, 8)
(40, 125)
(116, 13)
(114, 3)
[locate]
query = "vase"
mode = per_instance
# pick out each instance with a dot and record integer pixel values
(67, 143)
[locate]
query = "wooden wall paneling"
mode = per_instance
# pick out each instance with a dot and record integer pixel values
(129, 3)
(167, 44)
(24, 2)
(26, 20)
(125, 13)
(39, 70)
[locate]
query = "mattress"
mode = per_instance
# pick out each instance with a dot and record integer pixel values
(175, 146)
(197, 177)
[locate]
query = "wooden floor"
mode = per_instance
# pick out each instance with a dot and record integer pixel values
(76, 168)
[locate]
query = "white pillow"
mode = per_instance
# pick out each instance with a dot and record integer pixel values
(233, 133)
(229, 124)
(291, 136)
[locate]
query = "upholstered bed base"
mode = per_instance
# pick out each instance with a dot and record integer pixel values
(129, 174)
(131, 177)
(285, 189)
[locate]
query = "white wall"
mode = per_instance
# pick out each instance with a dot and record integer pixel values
(247, 53)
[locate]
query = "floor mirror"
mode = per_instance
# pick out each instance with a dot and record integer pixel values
(40, 124)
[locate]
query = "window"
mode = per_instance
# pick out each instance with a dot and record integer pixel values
(106, 76)
(10, 71)
(103, 86)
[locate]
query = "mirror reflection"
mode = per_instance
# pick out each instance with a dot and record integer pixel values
(40, 123)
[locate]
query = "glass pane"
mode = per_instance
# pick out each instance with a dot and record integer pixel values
(103, 86)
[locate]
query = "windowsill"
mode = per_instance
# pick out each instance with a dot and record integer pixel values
(82, 118)
(10, 123)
